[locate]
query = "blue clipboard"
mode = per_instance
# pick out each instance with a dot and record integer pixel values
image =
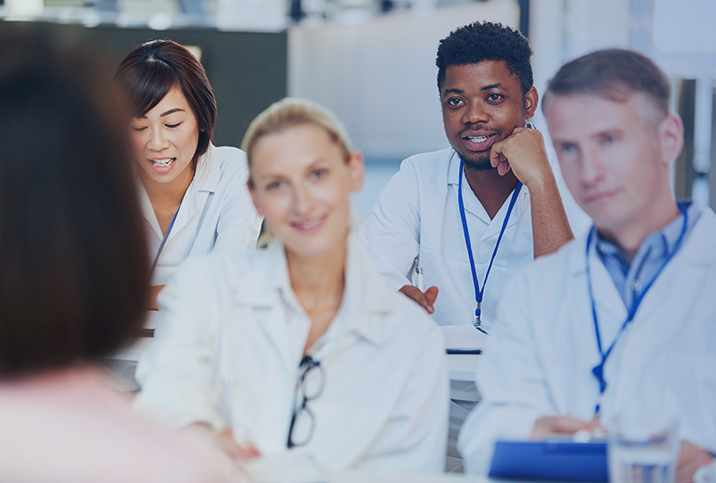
(554, 460)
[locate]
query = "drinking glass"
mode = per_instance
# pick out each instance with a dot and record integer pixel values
(638, 457)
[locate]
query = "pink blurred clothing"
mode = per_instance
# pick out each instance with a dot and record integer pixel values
(70, 426)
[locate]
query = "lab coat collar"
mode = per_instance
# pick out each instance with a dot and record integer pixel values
(473, 205)
(148, 209)
(206, 181)
(207, 176)
(697, 249)
(696, 255)
(454, 168)
(365, 295)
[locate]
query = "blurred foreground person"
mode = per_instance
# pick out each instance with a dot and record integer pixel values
(73, 276)
(618, 328)
(301, 346)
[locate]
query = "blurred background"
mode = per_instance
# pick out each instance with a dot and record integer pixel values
(373, 61)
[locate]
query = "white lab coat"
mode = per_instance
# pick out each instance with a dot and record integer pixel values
(229, 341)
(417, 215)
(539, 358)
(216, 212)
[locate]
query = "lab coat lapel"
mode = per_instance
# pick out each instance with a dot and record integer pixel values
(265, 288)
(474, 207)
(206, 179)
(190, 205)
(611, 311)
(493, 229)
(472, 204)
(148, 210)
(433, 206)
(694, 257)
(699, 247)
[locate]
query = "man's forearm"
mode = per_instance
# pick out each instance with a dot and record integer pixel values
(550, 226)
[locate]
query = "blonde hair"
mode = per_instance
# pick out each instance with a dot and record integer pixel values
(293, 111)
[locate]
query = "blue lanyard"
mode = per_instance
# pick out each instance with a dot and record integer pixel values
(164, 241)
(598, 370)
(479, 292)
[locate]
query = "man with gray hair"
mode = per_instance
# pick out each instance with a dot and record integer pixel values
(620, 324)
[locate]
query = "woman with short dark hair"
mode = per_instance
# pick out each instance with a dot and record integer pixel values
(194, 196)
(73, 275)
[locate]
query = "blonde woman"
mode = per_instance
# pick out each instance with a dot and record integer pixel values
(300, 346)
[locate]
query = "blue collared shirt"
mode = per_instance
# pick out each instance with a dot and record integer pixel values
(630, 278)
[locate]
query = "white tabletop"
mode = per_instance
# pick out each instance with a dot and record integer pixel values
(463, 367)
(360, 477)
(295, 467)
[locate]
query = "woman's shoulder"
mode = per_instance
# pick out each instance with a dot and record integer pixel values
(229, 163)
(221, 165)
(228, 158)
(228, 154)
(228, 269)
(92, 429)
(224, 172)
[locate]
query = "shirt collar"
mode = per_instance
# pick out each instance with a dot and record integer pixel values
(659, 244)
(697, 249)
(365, 295)
(454, 168)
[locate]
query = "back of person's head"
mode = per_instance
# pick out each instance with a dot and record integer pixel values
(73, 269)
(150, 71)
(291, 112)
(486, 41)
(614, 74)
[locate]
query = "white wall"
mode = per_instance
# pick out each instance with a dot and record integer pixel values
(562, 30)
(379, 77)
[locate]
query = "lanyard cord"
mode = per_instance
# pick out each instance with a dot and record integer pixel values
(598, 370)
(164, 241)
(479, 292)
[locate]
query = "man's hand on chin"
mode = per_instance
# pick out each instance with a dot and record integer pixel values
(524, 153)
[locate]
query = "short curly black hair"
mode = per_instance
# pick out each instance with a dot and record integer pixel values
(480, 41)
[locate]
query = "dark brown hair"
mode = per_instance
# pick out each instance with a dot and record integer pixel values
(150, 71)
(614, 74)
(74, 276)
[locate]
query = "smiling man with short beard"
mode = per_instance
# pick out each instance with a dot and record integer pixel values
(443, 212)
